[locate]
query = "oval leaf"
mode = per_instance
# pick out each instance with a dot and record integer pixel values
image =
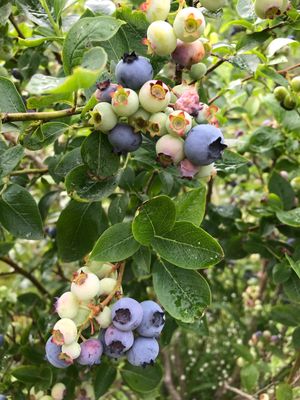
(188, 246)
(83, 34)
(115, 244)
(97, 153)
(142, 380)
(155, 217)
(184, 294)
(19, 213)
(78, 227)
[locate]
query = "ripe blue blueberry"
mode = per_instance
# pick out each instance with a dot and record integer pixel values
(124, 139)
(2, 397)
(126, 314)
(91, 351)
(1, 340)
(117, 342)
(133, 71)
(105, 91)
(153, 319)
(143, 352)
(53, 353)
(204, 145)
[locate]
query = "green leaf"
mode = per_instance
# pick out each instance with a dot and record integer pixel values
(19, 213)
(264, 139)
(184, 294)
(281, 273)
(291, 218)
(117, 208)
(5, 247)
(33, 374)
(67, 162)
(43, 101)
(190, 206)
(85, 33)
(295, 265)
(83, 186)
(284, 392)
(283, 189)
(115, 244)
(292, 288)
(277, 44)
(10, 159)
(142, 262)
(249, 377)
(97, 153)
(286, 314)
(230, 162)
(37, 41)
(142, 380)
(104, 378)
(12, 101)
(243, 351)
(155, 217)
(44, 135)
(78, 227)
(188, 246)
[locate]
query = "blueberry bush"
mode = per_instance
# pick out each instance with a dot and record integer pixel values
(149, 199)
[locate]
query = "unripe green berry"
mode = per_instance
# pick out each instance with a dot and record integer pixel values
(289, 103)
(198, 71)
(157, 124)
(295, 84)
(280, 93)
(103, 117)
(125, 102)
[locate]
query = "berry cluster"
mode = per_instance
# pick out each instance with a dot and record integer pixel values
(289, 98)
(184, 125)
(138, 104)
(88, 303)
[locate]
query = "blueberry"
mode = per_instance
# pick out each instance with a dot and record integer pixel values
(126, 314)
(124, 139)
(204, 144)
(1, 340)
(143, 352)
(117, 342)
(2, 397)
(53, 352)
(51, 231)
(91, 351)
(133, 71)
(153, 319)
(105, 91)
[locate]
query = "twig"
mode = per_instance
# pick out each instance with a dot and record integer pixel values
(29, 171)
(249, 77)
(39, 116)
(168, 377)
(26, 274)
(15, 25)
(295, 369)
(238, 391)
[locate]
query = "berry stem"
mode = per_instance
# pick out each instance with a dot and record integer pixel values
(116, 288)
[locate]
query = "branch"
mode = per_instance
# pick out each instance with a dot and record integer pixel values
(39, 116)
(168, 377)
(249, 77)
(238, 391)
(29, 171)
(26, 274)
(16, 26)
(294, 369)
